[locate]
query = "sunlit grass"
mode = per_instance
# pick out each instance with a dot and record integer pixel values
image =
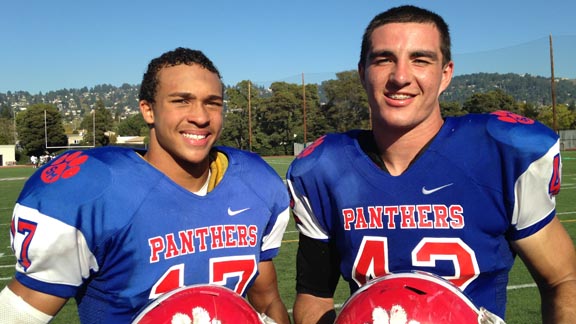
(523, 303)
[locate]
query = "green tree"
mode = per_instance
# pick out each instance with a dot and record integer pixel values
(97, 126)
(347, 104)
(529, 110)
(134, 125)
(279, 118)
(490, 101)
(39, 126)
(236, 132)
(316, 124)
(6, 131)
(451, 109)
(564, 117)
(6, 112)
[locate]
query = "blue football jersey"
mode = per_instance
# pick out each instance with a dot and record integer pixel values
(106, 227)
(482, 181)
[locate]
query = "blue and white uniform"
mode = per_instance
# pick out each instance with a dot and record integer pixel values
(483, 181)
(108, 228)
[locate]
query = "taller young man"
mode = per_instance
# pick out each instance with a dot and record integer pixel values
(458, 197)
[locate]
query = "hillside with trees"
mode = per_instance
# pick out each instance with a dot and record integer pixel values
(523, 88)
(267, 120)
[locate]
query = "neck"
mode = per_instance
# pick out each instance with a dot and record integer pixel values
(399, 148)
(188, 175)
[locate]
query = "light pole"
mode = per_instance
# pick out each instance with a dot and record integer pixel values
(14, 117)
(249, 117)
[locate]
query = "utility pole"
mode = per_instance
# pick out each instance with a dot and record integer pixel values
(304, 107)
(45, 132)
(249, 117)
(553, 89)
(15, 132)
(94, 127)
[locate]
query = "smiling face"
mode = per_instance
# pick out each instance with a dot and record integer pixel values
(404, 75)
(186, 117)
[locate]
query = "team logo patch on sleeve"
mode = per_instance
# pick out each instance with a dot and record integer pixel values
(307, 151)
(513, 118)
(66, 166)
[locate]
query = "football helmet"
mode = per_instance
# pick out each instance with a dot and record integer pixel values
(198, 304)
(412, 298)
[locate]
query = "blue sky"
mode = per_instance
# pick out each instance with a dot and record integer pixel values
(51, 45)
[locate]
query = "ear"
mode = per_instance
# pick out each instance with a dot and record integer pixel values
(361, 74)
(147, 111)
(447, 73)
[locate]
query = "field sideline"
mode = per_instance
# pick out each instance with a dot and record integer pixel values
(523, 298)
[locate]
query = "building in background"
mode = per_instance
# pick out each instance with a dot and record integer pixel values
(7, 155)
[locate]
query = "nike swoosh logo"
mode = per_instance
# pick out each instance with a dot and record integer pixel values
(236, 212)
(431, 191)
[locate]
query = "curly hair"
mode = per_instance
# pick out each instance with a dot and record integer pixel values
(172, 58)
(407, 14)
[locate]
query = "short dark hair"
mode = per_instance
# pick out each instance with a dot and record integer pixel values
(407, 14)
(177, 56)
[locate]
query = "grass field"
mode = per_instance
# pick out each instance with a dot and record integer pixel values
(523, 298)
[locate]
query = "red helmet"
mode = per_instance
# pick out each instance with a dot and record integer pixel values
(411, 298)
(206, 304)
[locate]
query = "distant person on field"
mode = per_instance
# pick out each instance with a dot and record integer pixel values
(34, 161)
(457, 197)
(116, 228)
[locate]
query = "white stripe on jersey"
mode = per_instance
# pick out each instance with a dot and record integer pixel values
(303, 211)
(533, 186)
(58, 252)
(274, 239)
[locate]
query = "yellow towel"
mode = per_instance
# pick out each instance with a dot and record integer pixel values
(218, 166)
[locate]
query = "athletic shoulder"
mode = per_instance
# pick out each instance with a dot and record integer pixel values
(250, 177)
(80, 177)
(251, 165)
(250, 170)
(513, 133)
(521, 155)
(326, 150)
(66, 172)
